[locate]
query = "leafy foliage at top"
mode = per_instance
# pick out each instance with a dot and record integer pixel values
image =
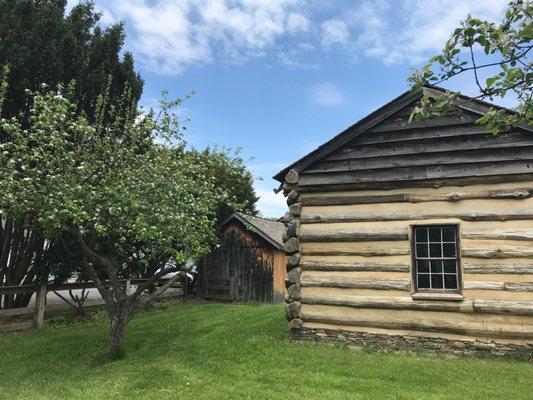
(40, 44)
(499, 53)
(230, 174)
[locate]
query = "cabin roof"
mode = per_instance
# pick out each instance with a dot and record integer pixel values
(271, 231)
(464, 102)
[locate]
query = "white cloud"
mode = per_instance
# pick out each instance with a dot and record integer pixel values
(270, 204)
(406, 32)
(334, 31)
(170, 35)
(327, 95)
(291, 58)
(297, 23)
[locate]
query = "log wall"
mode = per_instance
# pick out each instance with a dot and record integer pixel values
(354, 262)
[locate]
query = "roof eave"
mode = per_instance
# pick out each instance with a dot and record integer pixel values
(244, 221)
(352, 131)
(467, 103)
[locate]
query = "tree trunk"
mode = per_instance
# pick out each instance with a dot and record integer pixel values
(119, 319)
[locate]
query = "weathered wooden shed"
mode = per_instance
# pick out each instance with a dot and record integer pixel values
(414, 235)
(249, 264)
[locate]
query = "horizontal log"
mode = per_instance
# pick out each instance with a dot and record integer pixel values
(501, 252)
(503, 307)
(394, 124)
(484, 285)
(369, 235)
(418, 134)
(418, 324)
(363, 252)
(519, 286)
(343, 281)
(12, 312)
(506, 286)
(403, 174)
(428, 146)
(486, 215)
(390, 303)
(407, 303)
(519, 193)
(521, 269)
(344, 266)
(417, 183)
(518, 269)
(353, 235)
(499, 234)
(354, 282)
(413, 160)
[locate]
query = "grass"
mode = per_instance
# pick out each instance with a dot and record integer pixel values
(234, 352)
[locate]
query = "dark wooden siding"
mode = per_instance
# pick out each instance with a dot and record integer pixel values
(451, 147)
(244, 267)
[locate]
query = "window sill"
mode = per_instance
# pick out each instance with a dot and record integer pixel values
(438, 296)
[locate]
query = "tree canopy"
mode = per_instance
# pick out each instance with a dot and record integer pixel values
(41, 44)
(498, 57)
(111, 192)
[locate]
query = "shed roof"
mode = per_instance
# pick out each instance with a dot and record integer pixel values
(467, 103)
(271, 231)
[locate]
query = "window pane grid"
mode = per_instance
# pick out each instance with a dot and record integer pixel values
(435, 256)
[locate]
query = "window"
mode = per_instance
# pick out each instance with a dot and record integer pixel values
(435, 258)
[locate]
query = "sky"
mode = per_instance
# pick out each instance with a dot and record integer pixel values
(277, 78)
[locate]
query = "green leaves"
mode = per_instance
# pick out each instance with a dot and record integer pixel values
(129, 184)
(506, 47)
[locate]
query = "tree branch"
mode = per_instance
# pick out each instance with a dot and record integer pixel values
(149, 297)
(151, 281)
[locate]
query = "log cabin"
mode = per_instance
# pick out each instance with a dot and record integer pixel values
(408, 236)
(249, 264)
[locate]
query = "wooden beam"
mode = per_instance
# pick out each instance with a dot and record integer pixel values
(354, 235)
(519, 193)
(362, 252)
(512, 307)
(40, 302)
(428, 146)
(505, 286)
(466, 156)
(520, 269)
(477, 305)
(345, 266)
(498, 234)
(500, 252)
(443, 132)
(354, 282)
(515, 269)
(369, 235)
(12, 312)
(396, 124)
(472, 328)
(418, 183)
(403, 174)
(484, 215)
(390, 303)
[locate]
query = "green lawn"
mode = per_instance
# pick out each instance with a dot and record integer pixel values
(235, 352)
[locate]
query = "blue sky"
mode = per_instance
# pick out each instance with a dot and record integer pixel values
(279, 77)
